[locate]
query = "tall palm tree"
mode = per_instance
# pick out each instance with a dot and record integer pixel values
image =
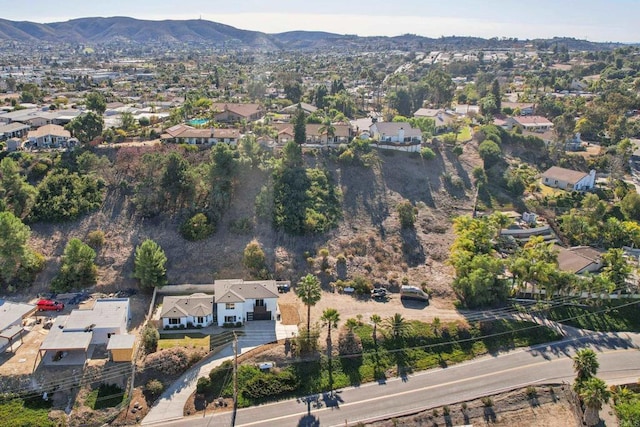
(309, 292)
(397, 326)
(594, 394)
(376, 320)
(330, 318)
(585, 364)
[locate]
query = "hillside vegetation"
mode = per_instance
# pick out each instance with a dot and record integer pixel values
(346, 212)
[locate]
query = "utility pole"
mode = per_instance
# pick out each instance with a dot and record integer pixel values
(235, 379)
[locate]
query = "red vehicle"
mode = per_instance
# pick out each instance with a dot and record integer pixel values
(49, 305)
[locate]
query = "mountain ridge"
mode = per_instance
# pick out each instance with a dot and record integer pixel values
(105, 30)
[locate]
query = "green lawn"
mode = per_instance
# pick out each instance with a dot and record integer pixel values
(463, 136)
(184, 340)
(105, 396)
(33, 412)
(608, 317)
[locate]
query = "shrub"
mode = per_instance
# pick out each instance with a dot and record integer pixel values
(203, 386)
(150, 337)
(361, 285)
(171, 361)
(254, 259)
(95, 239)
(407, 214)
(154, 388)
(427, 153)
(487, 402)
(269, 385)
(198, 227)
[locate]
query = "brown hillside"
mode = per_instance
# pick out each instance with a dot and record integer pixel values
(369, 234)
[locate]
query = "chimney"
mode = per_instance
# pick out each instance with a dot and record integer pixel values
(401, 135)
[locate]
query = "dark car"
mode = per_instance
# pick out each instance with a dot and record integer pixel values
(379, 293)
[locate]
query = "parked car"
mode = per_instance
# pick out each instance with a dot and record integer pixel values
(413, 292)
(379, 293)
(49, 305)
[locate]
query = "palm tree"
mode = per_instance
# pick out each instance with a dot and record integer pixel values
(585, 363)
(397, 326)
(309, 292)
(376, 320)
(593, 393)
(328, 128)
(330, 319)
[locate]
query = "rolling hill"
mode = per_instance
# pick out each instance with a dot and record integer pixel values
(96, 30)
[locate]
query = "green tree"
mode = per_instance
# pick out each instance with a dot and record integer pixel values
(127, 121)
(330, 319)
(630, 205)
(149, 265)
(255, 260)
(397, 327)
(95, 102)
(17, 195)
(177, 182)
(495, 91)
(440, 87)
(299, 126)
(13, 245)
(309, 292)
(594, 393)
(150, 337)
(585, 364)
(616, 267)
(86, 127)
(77, 270)
(407, 214)
(490, 153)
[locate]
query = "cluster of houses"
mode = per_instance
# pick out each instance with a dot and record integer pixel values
(35, 128)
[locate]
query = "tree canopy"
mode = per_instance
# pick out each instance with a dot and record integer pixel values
(149, 265)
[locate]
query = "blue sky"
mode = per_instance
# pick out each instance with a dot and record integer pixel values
(596, 20)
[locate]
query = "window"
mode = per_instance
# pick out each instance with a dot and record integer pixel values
(229, 306)
(229, 319)
(259, 303)
(174, 321)
(199, 319)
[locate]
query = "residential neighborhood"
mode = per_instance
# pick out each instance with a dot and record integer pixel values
(208, 224)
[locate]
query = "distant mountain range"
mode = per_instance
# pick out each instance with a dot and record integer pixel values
(129, 30)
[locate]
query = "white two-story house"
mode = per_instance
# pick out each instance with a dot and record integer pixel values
(238, 301)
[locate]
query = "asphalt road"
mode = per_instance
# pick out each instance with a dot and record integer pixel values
(618, 354)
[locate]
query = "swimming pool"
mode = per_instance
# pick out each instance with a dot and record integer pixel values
(198, 122)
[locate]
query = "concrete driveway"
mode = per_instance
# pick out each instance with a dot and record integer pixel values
(170, 406)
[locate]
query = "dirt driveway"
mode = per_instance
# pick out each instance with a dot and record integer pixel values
(350, 306)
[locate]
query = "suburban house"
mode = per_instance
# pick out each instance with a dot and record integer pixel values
(187, 311)
(240, 301)
(13, 130)
(233, 113)
(442, 119)
(49, 136)
(525, 108)
(530, 123)
(73, 338)
(12, 315)
(579, 259)
(291, 109)
(183, 134)
(315, 134)
(396, 135)
(568, 179)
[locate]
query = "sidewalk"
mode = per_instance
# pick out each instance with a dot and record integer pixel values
(170, 406)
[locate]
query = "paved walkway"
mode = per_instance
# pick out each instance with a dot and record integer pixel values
(170, 406)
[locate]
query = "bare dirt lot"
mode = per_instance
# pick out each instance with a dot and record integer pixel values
(352, 306)
(544, 406)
